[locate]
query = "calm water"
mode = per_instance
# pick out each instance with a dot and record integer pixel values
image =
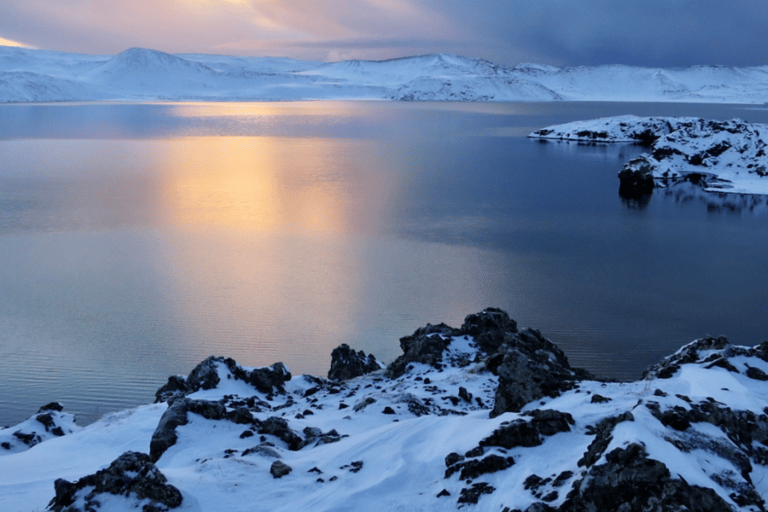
(135, 240)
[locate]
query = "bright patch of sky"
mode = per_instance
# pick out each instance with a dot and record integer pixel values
(657, 33)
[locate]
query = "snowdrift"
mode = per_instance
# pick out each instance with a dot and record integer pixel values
(482, 417)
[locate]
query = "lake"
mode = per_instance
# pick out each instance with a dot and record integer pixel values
(138, 239)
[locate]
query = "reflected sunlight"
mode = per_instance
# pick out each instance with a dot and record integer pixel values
(256, 184)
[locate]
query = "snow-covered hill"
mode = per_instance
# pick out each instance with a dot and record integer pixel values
(141, 74)
(484, 417)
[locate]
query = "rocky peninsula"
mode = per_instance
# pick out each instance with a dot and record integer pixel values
(720, 156)
(484, 417)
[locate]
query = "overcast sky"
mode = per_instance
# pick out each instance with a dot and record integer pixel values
(561, 32)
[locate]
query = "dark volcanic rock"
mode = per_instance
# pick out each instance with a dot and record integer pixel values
(636, 178)
(279, 469)
(531, 367)
(425, 345)
(630, 481)
(165, 436)
(206, 376)
(130, 474)
(347, 364)
(490, 328)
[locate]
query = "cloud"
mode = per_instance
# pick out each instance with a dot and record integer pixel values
(563, 32)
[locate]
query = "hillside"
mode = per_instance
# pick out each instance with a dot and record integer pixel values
(145, 75)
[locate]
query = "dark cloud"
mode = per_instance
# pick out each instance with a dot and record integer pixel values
(664, 33)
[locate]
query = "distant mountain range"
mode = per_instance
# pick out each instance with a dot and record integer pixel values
(147, 75)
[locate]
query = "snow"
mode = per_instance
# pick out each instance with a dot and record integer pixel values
(137, 74)
(725, 156)
(402, 453)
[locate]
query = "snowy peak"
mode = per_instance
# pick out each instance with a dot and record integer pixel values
(138, 62)
(145, 75)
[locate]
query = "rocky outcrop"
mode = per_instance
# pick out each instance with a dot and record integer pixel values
(636, 178)
(132, 475)
(630, 481)
(528, 365)
(270, 379)
(347, 364)
(718, 156)
(49, 422)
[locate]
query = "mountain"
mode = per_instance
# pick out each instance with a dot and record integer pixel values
(144, 75)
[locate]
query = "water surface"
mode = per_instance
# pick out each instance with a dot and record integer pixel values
(137, 239)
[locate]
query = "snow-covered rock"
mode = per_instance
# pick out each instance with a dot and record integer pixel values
(144, 75)
(49, 422)
(421, 435)
(720, 156)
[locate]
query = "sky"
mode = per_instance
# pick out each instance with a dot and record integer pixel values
(656, 33)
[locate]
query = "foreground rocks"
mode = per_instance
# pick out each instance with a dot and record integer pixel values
(485, 415)
(131, 476)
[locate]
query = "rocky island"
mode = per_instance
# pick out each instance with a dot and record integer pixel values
(720, 156)
(484, 417)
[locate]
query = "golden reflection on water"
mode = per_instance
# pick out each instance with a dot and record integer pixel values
(257, 184)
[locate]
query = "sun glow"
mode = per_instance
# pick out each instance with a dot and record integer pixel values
(254, 184)
(8, 42)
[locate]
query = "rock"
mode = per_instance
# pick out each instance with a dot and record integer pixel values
(630, 481)
(472, 494)
(529, 368)
(131, 474)
(636, 178)
(53, 406)
(471, 469)
(165, 436)
(489, 327)
(549, 422)
(206, 376)
(603, 437)
(425, 346)
(279, 469)
(279, 428)
(347, 364)
(512, 434)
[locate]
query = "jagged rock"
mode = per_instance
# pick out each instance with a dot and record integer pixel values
(206, 376)
(425, 346)
(347, 364)
(603, 437)
(514, 433)
(549, 422)
(130, 474)
(636, 178)
(472, 494)
(630, 481)
(489, 327)
(471, 469)
(279, 469)
(53, 406)
(279, 428)
(165, 435)
(531, 367)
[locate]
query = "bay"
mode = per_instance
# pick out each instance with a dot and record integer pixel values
(137, 239)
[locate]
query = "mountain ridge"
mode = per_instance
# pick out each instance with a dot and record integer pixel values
(141, 74)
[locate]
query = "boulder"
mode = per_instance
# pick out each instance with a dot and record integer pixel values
(347, 364)
(132, 473)
(636, 178)
(629, 480)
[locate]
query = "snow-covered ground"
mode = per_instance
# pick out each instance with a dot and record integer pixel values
(693, 432)
(146, 75)
(728, 156)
